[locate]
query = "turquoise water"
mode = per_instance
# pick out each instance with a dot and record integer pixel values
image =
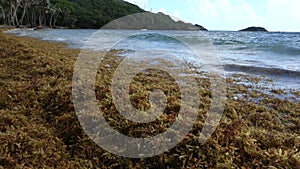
(272, 54)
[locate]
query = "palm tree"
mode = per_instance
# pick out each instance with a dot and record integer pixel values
(2, 14)
(54, 13)
(24, 5)
(5, 8)
(15, 4)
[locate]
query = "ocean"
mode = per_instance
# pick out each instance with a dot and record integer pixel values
(272, 55)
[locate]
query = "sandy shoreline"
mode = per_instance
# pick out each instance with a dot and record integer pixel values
(39, 128)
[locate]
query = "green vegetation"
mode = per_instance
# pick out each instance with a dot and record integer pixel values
(151, 21)
(66, 13)
(39, 128)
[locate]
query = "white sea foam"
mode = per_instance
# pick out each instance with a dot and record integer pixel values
(249, 52)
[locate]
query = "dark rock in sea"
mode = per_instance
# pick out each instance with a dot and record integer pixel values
(150, 21)
(201, 27)
(255, 29)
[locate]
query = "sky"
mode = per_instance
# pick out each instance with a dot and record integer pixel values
(274, 15)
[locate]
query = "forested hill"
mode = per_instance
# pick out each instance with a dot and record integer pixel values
(66, 13)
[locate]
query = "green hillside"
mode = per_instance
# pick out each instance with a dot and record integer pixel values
(151, 21)
(68, 13)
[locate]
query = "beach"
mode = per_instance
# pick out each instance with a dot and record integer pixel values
(39, 127)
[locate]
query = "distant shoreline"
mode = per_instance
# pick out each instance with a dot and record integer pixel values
(45, 27)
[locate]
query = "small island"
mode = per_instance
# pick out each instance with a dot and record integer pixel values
(254, 29)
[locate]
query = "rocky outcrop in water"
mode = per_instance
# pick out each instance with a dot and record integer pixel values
(255, 29)
(201, 27)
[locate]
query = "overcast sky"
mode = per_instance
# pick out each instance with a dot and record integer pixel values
(274, 15)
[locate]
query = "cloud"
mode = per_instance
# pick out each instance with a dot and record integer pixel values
(225, 14)
(283, 15)
(275, 15)
(176, 13)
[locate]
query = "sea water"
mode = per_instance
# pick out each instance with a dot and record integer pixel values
(275, 55)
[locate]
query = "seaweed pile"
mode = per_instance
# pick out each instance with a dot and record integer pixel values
(39, 127)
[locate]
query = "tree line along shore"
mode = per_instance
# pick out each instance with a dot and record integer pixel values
(63, 13)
